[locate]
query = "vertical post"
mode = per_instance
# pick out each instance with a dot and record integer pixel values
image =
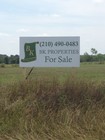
(29, 73)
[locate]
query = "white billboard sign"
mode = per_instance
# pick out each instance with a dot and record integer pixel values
(50, 51)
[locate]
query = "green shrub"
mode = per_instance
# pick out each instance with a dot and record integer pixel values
(2, 65)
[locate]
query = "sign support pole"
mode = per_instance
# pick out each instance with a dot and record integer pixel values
(29, 73)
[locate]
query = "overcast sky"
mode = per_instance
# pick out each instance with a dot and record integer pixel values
(84, 18)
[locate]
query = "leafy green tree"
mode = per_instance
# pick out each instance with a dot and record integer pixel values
(86, 57)
(13, 59)
(93, 51)
(100, 58)
(6, 60)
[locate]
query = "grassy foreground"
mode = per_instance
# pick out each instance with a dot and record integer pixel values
(45, 109)
(87, 71)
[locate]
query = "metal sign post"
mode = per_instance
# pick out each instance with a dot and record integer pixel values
(29, 73)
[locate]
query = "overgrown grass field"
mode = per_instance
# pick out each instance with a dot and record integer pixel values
(53, 104)
(87, 71)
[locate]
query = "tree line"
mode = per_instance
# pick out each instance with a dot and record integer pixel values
(93, 57)
(12, 59)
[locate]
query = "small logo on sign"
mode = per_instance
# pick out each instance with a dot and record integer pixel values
(29, 52)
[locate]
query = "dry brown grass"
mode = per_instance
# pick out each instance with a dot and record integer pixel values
(49, 110)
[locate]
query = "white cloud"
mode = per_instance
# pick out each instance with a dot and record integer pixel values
(22, 30)
(98, 1)
(51, 18)
(43, 34)
(56, 15)
(4, 34)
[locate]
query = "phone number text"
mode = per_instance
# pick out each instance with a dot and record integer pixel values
(58, 43)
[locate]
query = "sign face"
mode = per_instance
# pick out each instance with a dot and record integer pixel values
(50, 51)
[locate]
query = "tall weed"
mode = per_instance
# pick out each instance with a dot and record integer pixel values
(49, 110)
